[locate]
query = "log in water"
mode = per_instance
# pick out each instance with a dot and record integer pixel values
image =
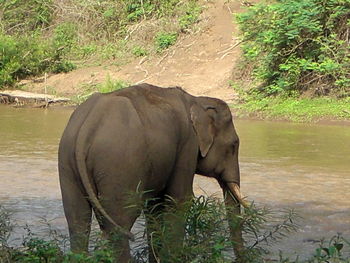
(21, 98)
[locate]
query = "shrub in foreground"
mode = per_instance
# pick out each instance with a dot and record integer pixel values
(206, 239)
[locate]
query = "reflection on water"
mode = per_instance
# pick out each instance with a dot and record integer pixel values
(301, 166)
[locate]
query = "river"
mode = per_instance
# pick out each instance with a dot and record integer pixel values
(305, 167)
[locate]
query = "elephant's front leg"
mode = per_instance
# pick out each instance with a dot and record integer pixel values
(233, 212)
(173, 230)
(154, 225)
(165, 224)
(165, 220)
(178, 196)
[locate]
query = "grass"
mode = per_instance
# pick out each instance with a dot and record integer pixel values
(108, 85)
(294, 109)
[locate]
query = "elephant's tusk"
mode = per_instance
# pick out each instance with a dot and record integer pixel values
(235, 190)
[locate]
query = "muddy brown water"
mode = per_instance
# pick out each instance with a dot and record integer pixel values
(283, 165)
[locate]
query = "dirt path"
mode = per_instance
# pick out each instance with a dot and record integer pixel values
(200, 63)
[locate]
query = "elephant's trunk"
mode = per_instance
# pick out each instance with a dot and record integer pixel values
(233, 200)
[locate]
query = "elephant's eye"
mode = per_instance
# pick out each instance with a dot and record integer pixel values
(235, 144)
(233, 147)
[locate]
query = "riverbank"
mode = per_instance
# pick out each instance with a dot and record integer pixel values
(324, 110)
(213, 42)
(321, 110)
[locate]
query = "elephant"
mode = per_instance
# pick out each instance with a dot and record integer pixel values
(148, 138)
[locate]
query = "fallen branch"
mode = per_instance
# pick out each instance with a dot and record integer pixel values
(228, 53)
(142, 80)
(19, 98)
(144, 70)
(189, 45)
(230, 48)
(160, 61)
(133, 30)
(142, 60)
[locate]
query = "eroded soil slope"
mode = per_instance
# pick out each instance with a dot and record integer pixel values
(201, 63)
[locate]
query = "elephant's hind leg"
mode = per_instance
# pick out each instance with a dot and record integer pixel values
(78, 212)
(124, 218)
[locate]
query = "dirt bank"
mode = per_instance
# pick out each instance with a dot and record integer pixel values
(201, 63)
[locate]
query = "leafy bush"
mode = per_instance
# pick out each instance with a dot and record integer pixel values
(298, 45)
(5, 226)
(65, 36)
(46, 35)
(29, 56)
(108, 85)
(331, 250)
(38, 250)
(111, 85)
(136, 9)
(190, 17)
(87, 50)
(139, 51)
(328, 251)
(165, 40)
(206, 239)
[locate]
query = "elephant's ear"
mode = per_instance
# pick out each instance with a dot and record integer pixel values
(203, 125)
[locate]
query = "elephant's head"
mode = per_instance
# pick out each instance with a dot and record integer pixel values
(218, 152)
(218, 144)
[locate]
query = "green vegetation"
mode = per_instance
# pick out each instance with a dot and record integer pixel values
(24, 56)
(139, 51)
(293, 46)
(108, 86)
(165, 40)
(207, 239)
(296, 60)
(190, 17)
(293, 108)
(38, 36)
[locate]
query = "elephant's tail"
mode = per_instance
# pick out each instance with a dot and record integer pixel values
(90, 123)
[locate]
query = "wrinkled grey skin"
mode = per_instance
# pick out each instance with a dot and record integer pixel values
(148, 138)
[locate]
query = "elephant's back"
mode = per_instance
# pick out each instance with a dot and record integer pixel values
(156, 138)
(117, 151)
